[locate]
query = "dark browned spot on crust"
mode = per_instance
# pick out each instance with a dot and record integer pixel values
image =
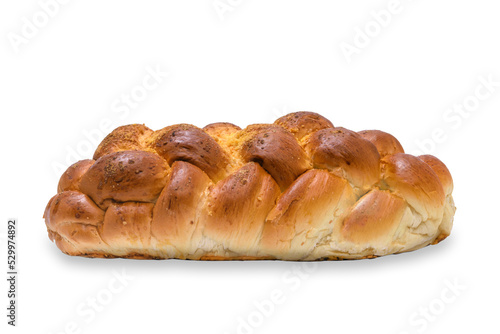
(113, 177)
(341, 148)
(277, 151)
(188, 143)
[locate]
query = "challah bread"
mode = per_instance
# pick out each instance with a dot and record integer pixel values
(298, 189)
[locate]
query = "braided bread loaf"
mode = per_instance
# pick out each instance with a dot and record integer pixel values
(298, 189)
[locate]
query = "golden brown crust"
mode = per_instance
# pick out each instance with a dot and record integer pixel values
(416, 182)
(303, 123)
(221, 129)
(125, 176)
(237, 207)
(299, 189)
(303, 214)
(71, 178)
(174, 216)
(127, 226)
(441, 171)
(347, 154)
(374, 218)
(385, 143)
(276, 150)
(186, 142)
(124, 138)
(72, 206)
(72, 219)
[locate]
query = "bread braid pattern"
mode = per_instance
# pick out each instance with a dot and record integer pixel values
(298, 189)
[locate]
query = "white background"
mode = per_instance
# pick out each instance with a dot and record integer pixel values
(251, 64)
